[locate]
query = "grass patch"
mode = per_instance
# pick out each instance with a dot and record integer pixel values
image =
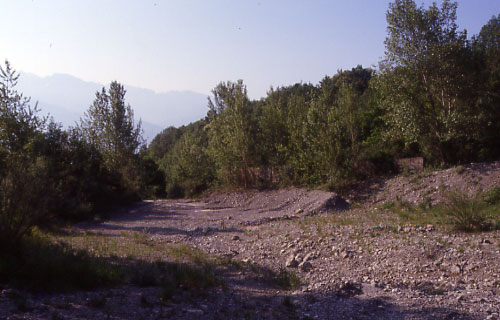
(41, 265)
(174, 277)
(459, 211)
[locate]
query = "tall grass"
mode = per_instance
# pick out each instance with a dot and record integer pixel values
(467, 212)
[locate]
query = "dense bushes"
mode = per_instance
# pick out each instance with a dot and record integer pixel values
(48, 174)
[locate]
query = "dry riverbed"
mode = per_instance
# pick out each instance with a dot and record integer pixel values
(287, 254)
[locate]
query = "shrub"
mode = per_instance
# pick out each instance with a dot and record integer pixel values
(467, 212)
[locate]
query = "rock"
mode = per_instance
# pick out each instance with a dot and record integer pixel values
(299, 257)
(335, 203)
(236, 238)
(308, 257)
(345, 254)
(455, 270)
(305, 266)
(291, 262)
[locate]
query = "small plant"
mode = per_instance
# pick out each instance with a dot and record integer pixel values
(388, 205)
(288, 280)
(467, 213)
(493, 196)
(178, 276)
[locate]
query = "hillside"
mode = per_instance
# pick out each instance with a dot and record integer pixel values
(428, 186)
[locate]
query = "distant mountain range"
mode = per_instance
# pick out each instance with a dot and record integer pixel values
(66, 98)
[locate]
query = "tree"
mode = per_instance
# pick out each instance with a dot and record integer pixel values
(19, 121)
(109, 125)
(334, 129)
(230, 132)
(487, 46)
(25, 185)
(428, 79)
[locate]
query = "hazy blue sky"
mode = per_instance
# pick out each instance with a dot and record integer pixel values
(193, 45)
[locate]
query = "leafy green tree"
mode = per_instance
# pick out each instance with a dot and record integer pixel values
(230, 132)
(282, 128)
(25, 186)
(191, 169)
(109, 125)
(163, 142)
(428, 76)
(335, 126)
(487, 46)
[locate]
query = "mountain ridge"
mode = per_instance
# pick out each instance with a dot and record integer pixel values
(66, 98)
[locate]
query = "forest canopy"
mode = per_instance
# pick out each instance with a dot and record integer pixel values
(435, 94)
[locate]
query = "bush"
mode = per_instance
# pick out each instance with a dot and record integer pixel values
(467, 212)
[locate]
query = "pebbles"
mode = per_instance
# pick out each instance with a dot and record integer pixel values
(347, 265)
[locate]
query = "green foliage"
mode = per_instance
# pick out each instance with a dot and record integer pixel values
(174, 277)
(24, 172)
(48, 175)
(492, 197)
(109, 128)
(188, 169)
(109, 125)
(431, 79)
(231, 132)
(435, 95)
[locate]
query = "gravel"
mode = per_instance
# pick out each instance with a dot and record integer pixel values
(365, 269)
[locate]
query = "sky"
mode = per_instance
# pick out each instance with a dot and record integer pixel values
(178, 45)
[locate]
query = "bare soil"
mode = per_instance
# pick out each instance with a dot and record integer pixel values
(360, 265)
